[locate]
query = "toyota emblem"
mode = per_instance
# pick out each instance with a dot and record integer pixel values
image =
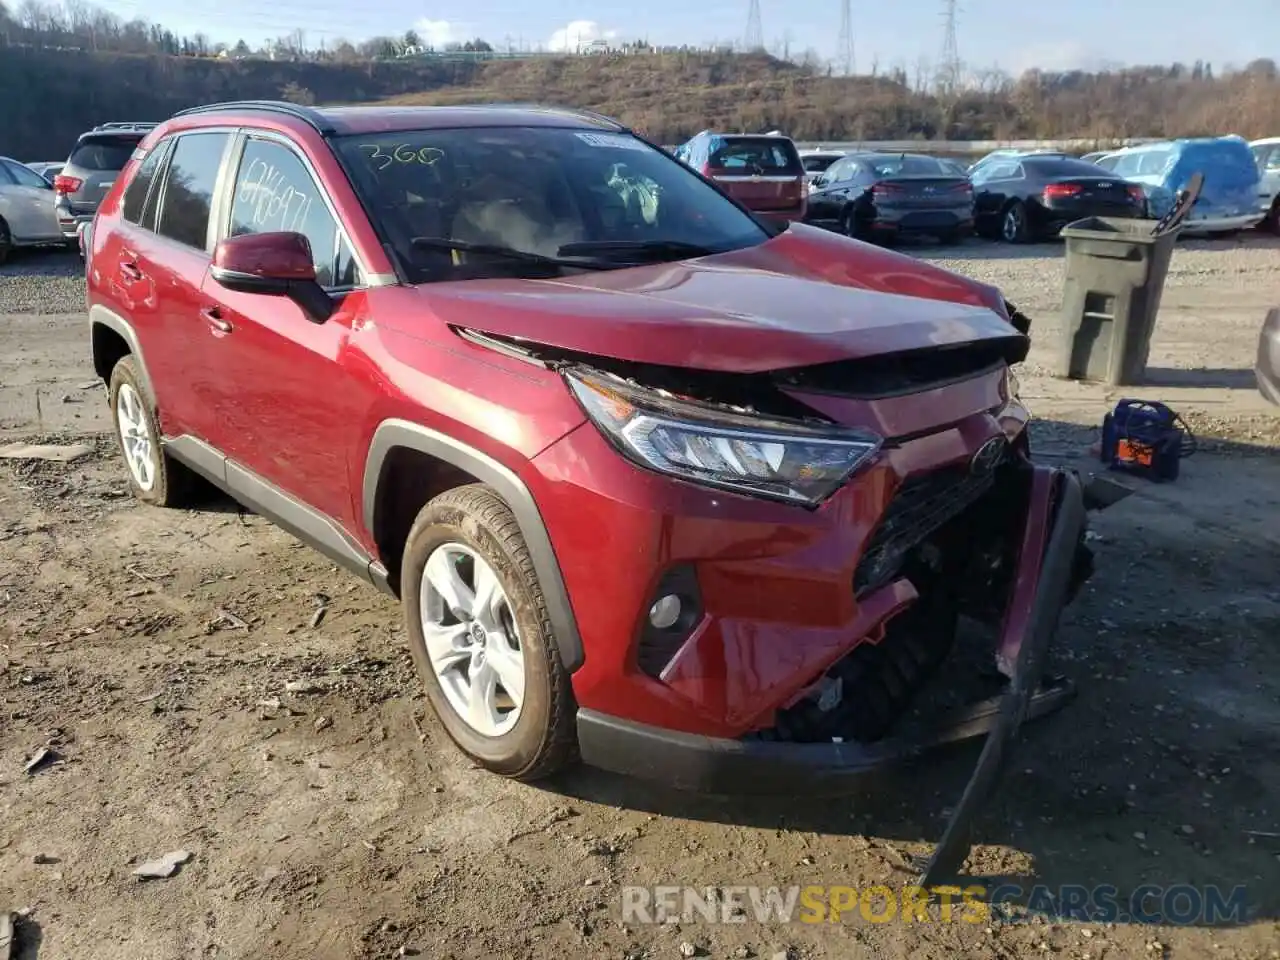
(988, 457)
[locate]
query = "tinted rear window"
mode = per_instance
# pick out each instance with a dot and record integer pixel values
(1060, 168)
(103, 153)
(760, 154)
(818, 164)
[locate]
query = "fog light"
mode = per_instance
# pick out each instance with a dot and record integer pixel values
(665, 613)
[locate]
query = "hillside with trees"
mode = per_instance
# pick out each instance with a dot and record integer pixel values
(64, 69)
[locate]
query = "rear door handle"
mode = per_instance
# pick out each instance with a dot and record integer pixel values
(214, 317)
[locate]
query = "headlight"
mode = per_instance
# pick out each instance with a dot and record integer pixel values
(790, 461)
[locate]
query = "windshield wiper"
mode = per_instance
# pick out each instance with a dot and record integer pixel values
(508, 253)
(648, 248)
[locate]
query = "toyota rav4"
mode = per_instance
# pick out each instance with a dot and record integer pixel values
(660, 485)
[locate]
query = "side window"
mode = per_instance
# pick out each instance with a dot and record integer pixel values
(1127, 165)
(6, 178)
(135, 207)
(839, 172)
(998, 170)
(25, 176)
(189, 186)
(275, 191)
(1272, 164)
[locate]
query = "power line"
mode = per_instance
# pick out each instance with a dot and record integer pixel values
(844, 44)
(949, 61)
(755, 30)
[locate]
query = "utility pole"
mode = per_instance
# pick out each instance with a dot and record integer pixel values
(844, 45)
(949, 62)
(755, 30)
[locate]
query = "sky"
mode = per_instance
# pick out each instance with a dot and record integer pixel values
(1011, 34)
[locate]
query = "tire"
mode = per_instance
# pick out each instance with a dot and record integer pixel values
(6, 241)
(537, 737)
(1013, 223)
(849, 224)
(169, 483)
(1272, 222)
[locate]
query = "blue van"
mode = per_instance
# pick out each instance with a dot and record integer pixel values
(1231, 197)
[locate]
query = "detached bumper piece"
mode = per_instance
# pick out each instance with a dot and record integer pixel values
(1267, 367)
(1055, 529)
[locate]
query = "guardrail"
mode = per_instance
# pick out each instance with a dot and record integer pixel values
(1080, 145)
(967, 147)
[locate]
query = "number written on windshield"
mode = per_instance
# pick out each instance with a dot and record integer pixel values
(401, 153)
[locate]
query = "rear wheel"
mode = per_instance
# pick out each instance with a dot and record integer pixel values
(1272, 222)
(481, 637)
(6, 241)
(154, 476)
(1013, 223)
(849, 225)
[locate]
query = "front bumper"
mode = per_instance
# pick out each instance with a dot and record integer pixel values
(1267, 366)
(721, 764)
(1215, 224)
(1049, 558)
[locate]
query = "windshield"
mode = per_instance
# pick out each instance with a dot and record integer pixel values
(908, 166)
(536, 190)
(103, 153)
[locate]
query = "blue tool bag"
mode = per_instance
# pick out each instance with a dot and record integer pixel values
(1145, 438)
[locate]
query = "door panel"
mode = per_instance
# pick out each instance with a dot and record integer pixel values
(170, 265)
(283, 382)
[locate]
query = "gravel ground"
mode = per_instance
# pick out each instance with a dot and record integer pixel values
(150, 651)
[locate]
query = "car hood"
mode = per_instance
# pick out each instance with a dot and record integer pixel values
(805, 297)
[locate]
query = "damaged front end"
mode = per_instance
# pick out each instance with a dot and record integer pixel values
(958, 533)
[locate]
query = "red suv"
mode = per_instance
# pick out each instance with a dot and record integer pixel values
(691, 495)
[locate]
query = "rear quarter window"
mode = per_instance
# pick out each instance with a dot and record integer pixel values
(103, 153)
(767, 154)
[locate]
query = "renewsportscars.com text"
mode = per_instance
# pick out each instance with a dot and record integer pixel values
(1178, 904)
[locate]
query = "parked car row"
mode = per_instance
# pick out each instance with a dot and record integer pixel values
(1235, 194)
(50, 202)
(1012, 195)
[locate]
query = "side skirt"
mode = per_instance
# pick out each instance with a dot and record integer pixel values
(264, 498)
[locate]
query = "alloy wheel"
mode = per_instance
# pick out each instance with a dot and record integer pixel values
(135, 437)
(1012, 225)
(472, 640)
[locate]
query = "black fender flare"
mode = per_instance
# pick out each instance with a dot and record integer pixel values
(100, 316)
(394, 433)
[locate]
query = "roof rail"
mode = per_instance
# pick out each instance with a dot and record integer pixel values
(312, 118)
(128, 125)
(568, 111)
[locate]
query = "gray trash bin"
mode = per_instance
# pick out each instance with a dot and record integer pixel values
(1115, 274)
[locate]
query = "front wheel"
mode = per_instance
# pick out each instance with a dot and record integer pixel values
(481, 637)
(6, 241)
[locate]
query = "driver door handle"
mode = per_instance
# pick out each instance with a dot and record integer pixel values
(214, 316)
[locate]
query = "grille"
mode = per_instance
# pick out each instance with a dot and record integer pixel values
(921, 506)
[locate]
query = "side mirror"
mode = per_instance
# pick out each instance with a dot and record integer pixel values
(274, 265)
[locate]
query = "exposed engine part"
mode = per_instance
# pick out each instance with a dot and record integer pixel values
(962, 561)
(862, 696)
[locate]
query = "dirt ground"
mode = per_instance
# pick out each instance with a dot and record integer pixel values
(150, 651)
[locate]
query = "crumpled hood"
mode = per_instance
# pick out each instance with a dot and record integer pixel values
(805, 297)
